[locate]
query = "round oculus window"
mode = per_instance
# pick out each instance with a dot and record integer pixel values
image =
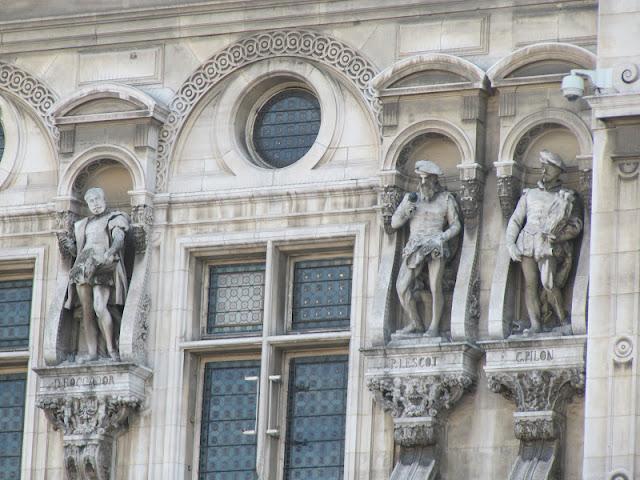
(286, 127)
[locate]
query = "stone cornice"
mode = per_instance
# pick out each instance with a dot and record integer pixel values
(219, 17)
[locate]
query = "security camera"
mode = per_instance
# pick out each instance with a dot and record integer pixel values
(572, 87)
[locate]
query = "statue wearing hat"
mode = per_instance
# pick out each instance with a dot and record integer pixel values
(433, 219)
(539, 236)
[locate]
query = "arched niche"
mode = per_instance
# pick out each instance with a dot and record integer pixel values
(565, 134)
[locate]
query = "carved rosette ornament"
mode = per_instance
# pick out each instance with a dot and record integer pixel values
(541, 397)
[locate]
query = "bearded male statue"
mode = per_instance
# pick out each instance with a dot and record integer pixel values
(433, 219)
(539, 236)
(98, 280)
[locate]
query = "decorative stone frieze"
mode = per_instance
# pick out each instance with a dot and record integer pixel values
(91, 405)
(541, 376)
(419, 384)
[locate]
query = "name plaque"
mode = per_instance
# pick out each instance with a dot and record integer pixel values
(420, 361)
(534, 355)
(80, 381)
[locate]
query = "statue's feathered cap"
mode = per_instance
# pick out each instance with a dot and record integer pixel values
(551, 158)
(427, 167)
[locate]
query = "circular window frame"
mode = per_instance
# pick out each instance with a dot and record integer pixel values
(253, 116)
(239, 103)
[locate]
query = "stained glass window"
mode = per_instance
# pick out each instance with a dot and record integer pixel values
(229, 408)
(322, 294)
(286, 127)
(15, 313)
(316, 418)
(12, 398)
(236, 298)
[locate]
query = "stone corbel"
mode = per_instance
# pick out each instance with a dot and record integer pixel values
(91, 406)
(541, 378)
(509, 186)
(389, 199)
(419, 406)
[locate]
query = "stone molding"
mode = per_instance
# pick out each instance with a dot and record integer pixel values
(276, 43)
(32, 91)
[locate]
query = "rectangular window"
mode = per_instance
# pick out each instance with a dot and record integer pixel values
(227, 435)
(15, 313)
(321, 294)
(236, 298)
(12, 398)
(316, 418)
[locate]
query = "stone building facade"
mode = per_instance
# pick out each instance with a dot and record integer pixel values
(254, 154)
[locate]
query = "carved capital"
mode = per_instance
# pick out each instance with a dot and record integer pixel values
(471, 192)
(141, 221)
(388, 201)
(89, 424)
(64, 232)
(540, 396)
(418, 404)
(508, 194)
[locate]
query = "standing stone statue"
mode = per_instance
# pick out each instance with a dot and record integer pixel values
(539, 236)
(433, 219)
(98, 280)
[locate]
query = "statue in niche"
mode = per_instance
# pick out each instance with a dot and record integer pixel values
(98, 280)
(434, 221)
(539, 236)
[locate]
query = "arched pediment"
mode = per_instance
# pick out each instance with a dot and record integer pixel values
(429, 70)
(550, 58)
(107, 101)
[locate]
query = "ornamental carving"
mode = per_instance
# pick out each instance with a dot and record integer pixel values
(538, 390)
(508, 194)
(291, 43)
(141, 221)
(64, 231)
(89, 425)
(471, 198)
(418, 404)
(32, 91)
(390, 198)
(585, 181)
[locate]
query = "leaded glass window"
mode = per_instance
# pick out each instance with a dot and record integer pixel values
(316, 418)
(15, 313)
(322, 294)
(236, 298)
(12, 398)
(286, 127)
(229, 402)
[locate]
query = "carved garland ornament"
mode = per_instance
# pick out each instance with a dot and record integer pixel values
(297, 43)
(31, 90)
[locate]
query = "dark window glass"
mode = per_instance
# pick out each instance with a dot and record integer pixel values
(12, 398)
(286, 127)
(321, 294)
(229, 408)
(236, 298)
(15, 313)
(316, 418)
(1, 141)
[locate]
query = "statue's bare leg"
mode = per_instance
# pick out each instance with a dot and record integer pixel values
(436, 272)
(85, 293)
(404, 285)
(531, 298)
(105, 322)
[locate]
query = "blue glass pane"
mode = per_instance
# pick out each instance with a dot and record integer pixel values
(228, 409)
(12, 398)
(15, 313)
(236, 296)
(316, 418)
(286, 127)
(322, 294)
